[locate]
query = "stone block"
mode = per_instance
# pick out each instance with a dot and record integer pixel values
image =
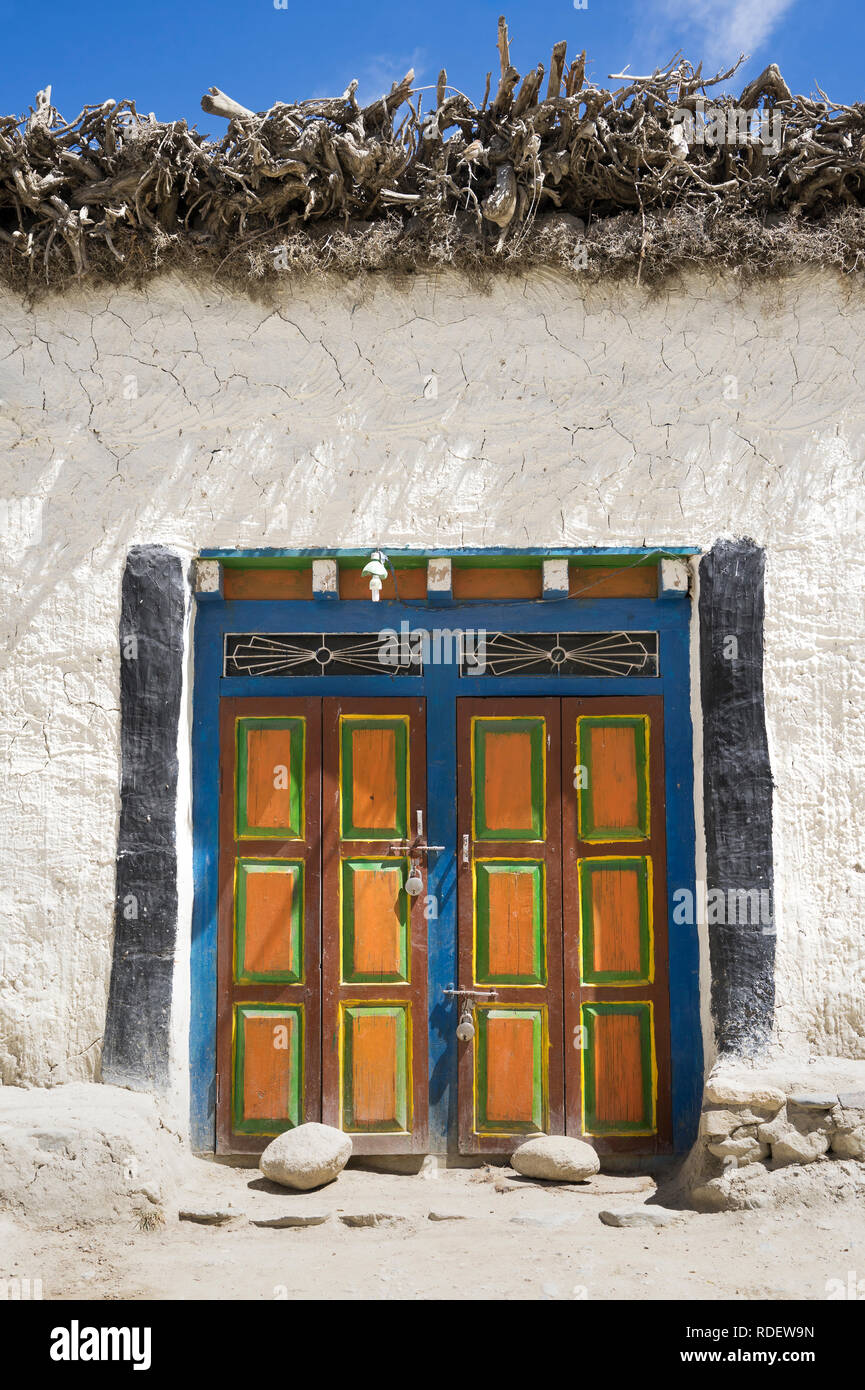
(774, 1130)
(745, 1150)
(640, 1216)
(813, 1101)
(208, 1215)
(795, 1147)
(740, 1092)
(358, 1219)
(848, 1137)
(718, 1124)
(280, 1220)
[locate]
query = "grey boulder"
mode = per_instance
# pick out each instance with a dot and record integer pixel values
(555, 1158)
(306, 1157)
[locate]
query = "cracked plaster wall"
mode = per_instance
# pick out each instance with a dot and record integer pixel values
(421, 413)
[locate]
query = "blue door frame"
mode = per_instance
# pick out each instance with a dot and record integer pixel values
(441, 685)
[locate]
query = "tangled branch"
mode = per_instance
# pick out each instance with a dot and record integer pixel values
(655, 161)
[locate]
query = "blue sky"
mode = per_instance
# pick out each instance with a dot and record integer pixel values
(165, 53)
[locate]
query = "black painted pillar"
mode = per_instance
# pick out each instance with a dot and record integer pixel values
(136, 1045)
(737, 789)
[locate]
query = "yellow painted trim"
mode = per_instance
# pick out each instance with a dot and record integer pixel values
(508, 859)
(611, 839)
(617, 858)
(390, 718)
(543, 1010)
(299, 1008)
(409, 1060)
(293, 839)
(268, 859)
(621, 1133)
(372, 984)
(509, 719)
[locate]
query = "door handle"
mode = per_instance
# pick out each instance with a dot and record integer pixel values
(465, 849)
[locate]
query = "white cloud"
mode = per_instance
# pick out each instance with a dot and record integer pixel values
(721, 31)
(375, 75)
(379, 72)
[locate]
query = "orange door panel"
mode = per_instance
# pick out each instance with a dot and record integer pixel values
(374, 933)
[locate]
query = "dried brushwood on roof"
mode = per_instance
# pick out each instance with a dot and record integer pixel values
(658, 173)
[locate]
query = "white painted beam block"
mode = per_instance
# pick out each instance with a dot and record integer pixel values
(675, 578)
(325, 579)
(207, 578)
(439, 579)
(555, 578)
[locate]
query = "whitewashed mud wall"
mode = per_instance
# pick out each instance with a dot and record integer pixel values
(429, 414)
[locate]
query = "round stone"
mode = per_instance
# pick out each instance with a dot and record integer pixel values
(555, 1158)
(306, 1157)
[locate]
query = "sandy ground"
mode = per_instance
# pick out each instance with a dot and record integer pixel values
(505, 1238)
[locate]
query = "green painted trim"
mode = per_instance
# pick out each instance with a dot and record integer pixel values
(276, 1124)
(597, 555)
(484, 869)
(498, 562)
(399, 1125)
(587, 829)
(244, 868)
(304, 562)
(460, 560)
(297, 749)
(350, 867)
(537, 1124)
(591, 1123)
(586, 870)
(520, 561)
(536, 728)
(239, 561)
(348, 830)
(399, 562)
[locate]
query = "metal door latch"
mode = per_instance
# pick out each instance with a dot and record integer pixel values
(413, 847)
(471, 993)
(416, 846)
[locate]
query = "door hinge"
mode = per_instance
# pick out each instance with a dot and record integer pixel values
(217, 1088)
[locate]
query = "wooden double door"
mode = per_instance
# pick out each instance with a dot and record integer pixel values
(323, 994)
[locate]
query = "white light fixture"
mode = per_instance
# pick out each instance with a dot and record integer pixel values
(376, 569)
(414, 882)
